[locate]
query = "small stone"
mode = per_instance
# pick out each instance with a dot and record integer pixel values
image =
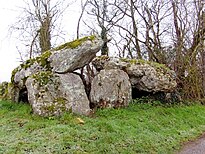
(80, 121)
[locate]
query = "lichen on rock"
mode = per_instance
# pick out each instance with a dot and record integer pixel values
(30, 67)
(43, 77)
(52, 94)
(3, 89)
(8, 91)
(75, 43)
(111, 89)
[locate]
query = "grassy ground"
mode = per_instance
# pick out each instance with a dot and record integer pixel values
(140, 128)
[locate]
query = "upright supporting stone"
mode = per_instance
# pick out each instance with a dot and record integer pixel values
(111, 88)
(53, 94)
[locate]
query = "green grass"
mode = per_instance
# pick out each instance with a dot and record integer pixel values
(140, 128)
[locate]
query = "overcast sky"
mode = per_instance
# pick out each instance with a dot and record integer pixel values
(9, 56)
(8, 59)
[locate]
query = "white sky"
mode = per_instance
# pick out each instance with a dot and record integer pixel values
(8, 53)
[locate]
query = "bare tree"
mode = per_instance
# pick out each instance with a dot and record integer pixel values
(99, 10)
(169, 32)
(179, 36)
(143, 30)
(107, 15)
(202, 53)
(189, 33)
(83, 6)
(38, 22)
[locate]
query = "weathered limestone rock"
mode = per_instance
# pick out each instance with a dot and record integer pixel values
(105, 62)
(3, 88)
(12, 93)
(52, 94)
(9, 92)
(111, 88)
(26, 69)
(144, 75)
(30, 67)
(76, 54)
(151, 79)
(100, 61)
(63, 59)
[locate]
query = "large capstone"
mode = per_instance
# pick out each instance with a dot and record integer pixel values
(148, 78)
(76, 54)
(144, 75)
(53, 94)
(111, 88)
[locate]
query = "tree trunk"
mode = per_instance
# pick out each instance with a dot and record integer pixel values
(104, 49)
(45, 35)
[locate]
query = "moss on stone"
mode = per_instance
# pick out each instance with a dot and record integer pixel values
(61, 100)
(49, 109)
(43, 77)
(3, 88)
(43, 59)
(7, 91)
(75, 43)
(131, 61)
(103, 57)
(13, 74)
(61, 103)
(27, 63)
(58, 105)
(157, 66)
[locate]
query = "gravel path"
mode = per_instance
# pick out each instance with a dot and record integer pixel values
(194, 147)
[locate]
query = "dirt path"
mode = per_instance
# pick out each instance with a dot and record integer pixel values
(194, 147)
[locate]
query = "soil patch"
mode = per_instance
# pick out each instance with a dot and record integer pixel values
(194, 146)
